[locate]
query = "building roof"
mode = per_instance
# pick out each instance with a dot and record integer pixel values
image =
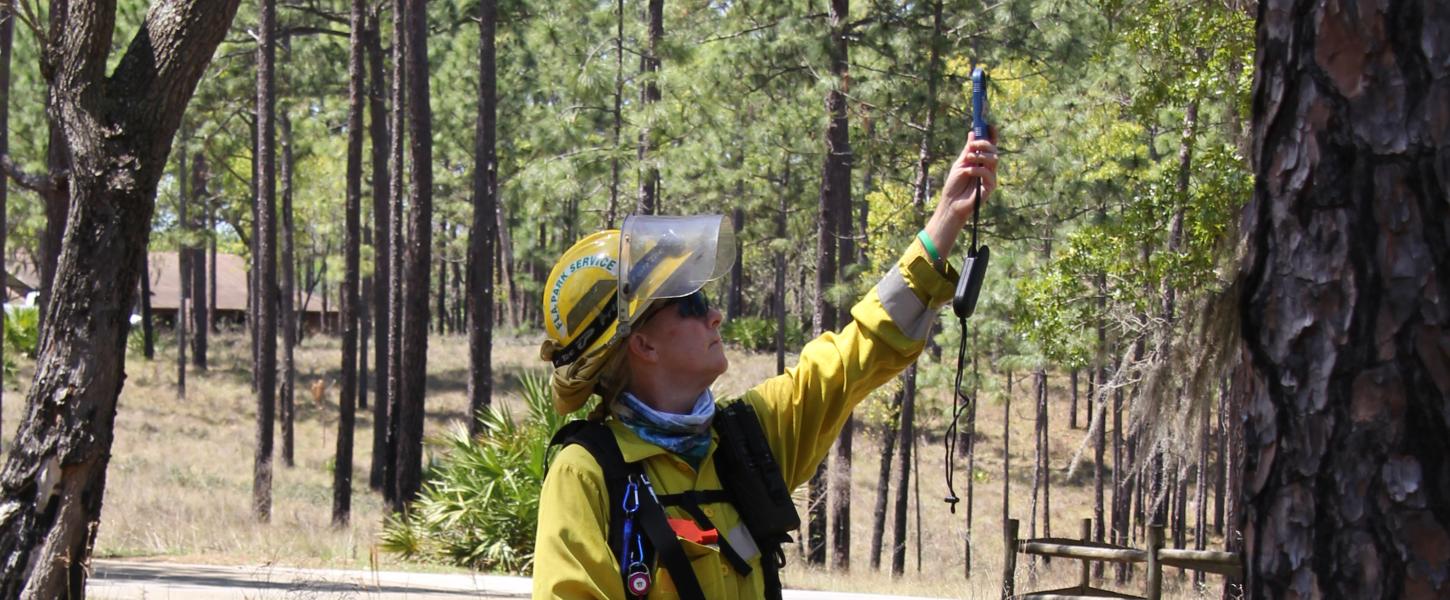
(231, 284)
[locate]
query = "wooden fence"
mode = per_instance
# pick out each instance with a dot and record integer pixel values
(1156, 556)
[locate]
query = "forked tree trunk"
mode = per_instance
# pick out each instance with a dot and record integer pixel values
(1346, 371)
(119, 131)
(482, 238)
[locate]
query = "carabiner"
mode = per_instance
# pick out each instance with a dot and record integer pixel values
(631, 497)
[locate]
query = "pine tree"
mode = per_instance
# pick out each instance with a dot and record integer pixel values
(265, 330)
(351, 305)
(1344, 388)
(414, 347)
(482, 236)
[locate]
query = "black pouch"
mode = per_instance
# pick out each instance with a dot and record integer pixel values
(751, 476)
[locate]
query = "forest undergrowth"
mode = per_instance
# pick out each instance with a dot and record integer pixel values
(179, 483)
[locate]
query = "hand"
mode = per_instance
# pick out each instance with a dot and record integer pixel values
(978, 161)
(959, 200)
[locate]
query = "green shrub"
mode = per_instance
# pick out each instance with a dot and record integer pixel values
(479, 504)
(757, 334)
(22, 330)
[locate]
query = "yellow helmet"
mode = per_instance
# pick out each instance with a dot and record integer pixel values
(586, 310)
(579, 300)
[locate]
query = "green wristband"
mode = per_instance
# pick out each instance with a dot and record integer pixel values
(930, 247)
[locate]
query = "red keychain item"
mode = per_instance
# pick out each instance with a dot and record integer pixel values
(688, 530)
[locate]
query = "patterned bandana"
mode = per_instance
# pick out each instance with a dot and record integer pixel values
(685, 435)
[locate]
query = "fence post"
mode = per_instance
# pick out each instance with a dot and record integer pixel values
(1087, 532)
(1009, 565)
(1155, 568)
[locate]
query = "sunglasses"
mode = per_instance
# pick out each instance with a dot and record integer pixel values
(695, 305)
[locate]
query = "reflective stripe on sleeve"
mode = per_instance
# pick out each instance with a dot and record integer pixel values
(905, 308)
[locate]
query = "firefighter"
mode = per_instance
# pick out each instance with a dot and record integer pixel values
(627, 321)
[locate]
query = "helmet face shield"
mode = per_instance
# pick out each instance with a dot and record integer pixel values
(669, 257)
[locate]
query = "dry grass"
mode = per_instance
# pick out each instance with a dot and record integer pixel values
(179, 486)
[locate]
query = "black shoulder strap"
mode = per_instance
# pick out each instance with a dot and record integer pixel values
(754, 480)
(600, 442)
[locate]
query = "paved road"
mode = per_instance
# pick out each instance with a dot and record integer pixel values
(127, 580)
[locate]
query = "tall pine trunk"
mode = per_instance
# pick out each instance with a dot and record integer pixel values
(382, 256)
(482, 237)
(265, 258)
(414, 362)
(53, 481)
(1346, 372)
(905, 437)
(7, 37)
(183, 265)
(196, 263)
(649, 94)
(352, 259)
(286, 311)
(395, 254)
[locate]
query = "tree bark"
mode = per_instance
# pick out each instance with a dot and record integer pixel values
(119, 131)
(196, 264)
(395, 253)
(883, 487)
(287, 311)
(382, 256)
(266, 261)
(649, 94)
(907, 433)
(611, 213)
(352, 259)
(781, 214)
(7, 37)
(483, 235)
(183, 265)
(148, 333)
(1346, 377)
(414, 363)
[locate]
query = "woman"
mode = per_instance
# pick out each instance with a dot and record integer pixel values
(651, 348)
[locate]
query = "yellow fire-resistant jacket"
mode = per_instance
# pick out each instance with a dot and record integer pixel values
(802, 412)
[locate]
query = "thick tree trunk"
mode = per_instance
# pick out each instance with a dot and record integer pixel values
(395, 254)
(382, 256)
(482, 237)
(414, 363)
(265, 261)
(119, 131)
(1346, 376)
(352, 259)
(287, 311)
(649, 94)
